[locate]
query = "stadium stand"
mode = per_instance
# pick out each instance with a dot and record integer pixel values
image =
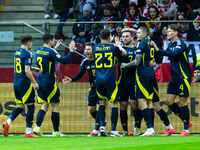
(13, 13)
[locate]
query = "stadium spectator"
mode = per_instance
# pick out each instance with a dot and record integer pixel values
(167, 9)
(196, 77)
(196, 22)
(146, 7)
(93, 100)
(108, 18)
(105, 73)
(186, 6)
(144, 77)
(49, 92)
(24, 85)
(188, 32)
(62, 8)
(134, 17)
(181, 74)
(127, 80)
(47, 10)
(82, 31)
(96, 9)
(119, 27)
(155, 28)
(119, 11)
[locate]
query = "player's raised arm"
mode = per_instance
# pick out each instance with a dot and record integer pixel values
(58, 44)
(118, 44)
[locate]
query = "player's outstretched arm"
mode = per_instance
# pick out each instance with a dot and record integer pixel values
(134, 63)
(66, 80)
(58, 44)
(30, 76)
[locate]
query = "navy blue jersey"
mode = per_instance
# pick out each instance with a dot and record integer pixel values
(179, 63)
(88, 65)
(22, 57)
(127, 75)
(105, 56)
(46, 58)
(146, 49)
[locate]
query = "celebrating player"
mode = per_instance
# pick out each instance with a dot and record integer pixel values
(144, 77)
(88, 64)
(107, 89)
(180, 76)
(24, 85)
(127, 82)
(49, 92)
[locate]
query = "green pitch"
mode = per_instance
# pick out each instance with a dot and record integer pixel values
(191, 142)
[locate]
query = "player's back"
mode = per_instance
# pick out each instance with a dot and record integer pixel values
(46, 62)
(105, 56)
(146, 49)
(22, 57)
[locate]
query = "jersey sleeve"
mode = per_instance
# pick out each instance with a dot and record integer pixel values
(81, 72)
(28, 59)
(139, 48)
(56, 56)
(118, 51)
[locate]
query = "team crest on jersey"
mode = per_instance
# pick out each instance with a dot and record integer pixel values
(92, 66)
(88, 67)
(58, 55)
(178, 47)
(130, 52)
(29, 60)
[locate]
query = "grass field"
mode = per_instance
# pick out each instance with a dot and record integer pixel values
(174, 142)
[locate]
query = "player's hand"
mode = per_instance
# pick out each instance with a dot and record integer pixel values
(129, 29)
(155, 46)
(36, 69)
(117, 41)
(72, 46)
(112, 38)
(58, 43)
(36, 86)
(66, 80)
(123, 65)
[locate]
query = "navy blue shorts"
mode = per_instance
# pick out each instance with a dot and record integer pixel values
(180, 87)
(93, 98)
(155, 90)
(144, 87)
(50, 94)
(108, 91)
(126, 91)
(24, 94)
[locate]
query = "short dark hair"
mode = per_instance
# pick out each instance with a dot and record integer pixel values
(25, 38)
(144, 30)
(175, 27)
(47, 37)
(104, 34)
(89, 44)
(131, 33)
